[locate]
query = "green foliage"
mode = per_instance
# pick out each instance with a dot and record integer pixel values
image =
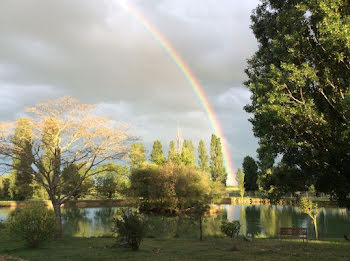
(23, 172)
(172, 152)
(300, 81)
(250, 170)
(203, 158)
(130, 227)
(112, 179)
(311, 209)
(230, 229)
(280, 180)
(157, 155)
(6, 188)
(35, 224)
(173, 155)
(187, 154)
(73, 178)
(240, 179)
(312, 191)
(137, 155)
(170, 188)
(217, 169)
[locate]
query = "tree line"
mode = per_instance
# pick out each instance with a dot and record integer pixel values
(112, 179)
(185, 155)
(64, 151)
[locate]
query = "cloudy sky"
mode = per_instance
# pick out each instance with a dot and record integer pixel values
(96, 51)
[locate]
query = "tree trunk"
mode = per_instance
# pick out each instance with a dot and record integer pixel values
(200, 228)
(315, 226)
(57, 209)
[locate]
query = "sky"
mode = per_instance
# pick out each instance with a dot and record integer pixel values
(97, 52)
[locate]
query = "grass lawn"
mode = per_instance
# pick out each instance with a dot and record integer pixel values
(70, 249)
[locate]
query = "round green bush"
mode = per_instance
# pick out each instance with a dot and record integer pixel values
(131, 228)
(34, 224)
(230, 229)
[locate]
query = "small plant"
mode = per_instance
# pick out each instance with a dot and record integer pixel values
(131, 228)
(34, 223)
(230, 229)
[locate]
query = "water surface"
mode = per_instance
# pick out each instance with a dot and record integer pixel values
(260, 221)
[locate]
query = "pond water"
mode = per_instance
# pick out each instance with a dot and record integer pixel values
(261, 221)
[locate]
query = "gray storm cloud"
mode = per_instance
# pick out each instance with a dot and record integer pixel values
(97, 52)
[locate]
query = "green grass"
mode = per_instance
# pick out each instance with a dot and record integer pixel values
(70, 249)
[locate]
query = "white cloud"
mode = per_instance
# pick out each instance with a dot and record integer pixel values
(99, 53)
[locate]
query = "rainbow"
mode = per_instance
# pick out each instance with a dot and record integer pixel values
(191, 80)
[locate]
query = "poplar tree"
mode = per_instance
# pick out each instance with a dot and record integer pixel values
(172, 152)
(22, 160)
(250, 169)
(217, 168)
(203, 158)
(240, 181)
(187, 154)
(157, 155)
(137, 156)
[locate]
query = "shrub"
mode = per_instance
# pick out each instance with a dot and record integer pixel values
(230, 229)
(131, 228)
(171, 188)
(34, 223)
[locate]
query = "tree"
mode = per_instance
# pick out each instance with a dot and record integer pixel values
(157, 155)
(311, 209)
(300, 84)
(6, 182)
(65, 132)
(23, 175)
(187, 154)
(250, 170)
(137, 155)
(111, 179)
(71, 176)
(172, 152)
(203, 158)
(173, 155)
(217, 169)
(240, 180)
(171, 187)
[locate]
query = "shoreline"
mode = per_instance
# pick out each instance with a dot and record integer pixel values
(86, 203)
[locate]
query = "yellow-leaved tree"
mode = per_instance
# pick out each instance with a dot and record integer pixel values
(65, 133)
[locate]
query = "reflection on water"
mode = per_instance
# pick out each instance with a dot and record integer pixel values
(263, 220)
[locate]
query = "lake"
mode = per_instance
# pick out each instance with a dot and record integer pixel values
(260, 221)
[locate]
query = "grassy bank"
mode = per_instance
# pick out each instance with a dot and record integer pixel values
(178, 249)
(73, 203)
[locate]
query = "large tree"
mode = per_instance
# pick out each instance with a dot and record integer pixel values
(300, 81)
(157, 154)
(65, 132)
(203, 158)
(217, 168)
(250, 170)
(137, 156)
(22, 160)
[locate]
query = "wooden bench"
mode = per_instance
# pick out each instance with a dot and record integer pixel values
(293, 232)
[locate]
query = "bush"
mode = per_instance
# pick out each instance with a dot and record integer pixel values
(34, 223)
(131, 228)
(171, 188)
(230, 229)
